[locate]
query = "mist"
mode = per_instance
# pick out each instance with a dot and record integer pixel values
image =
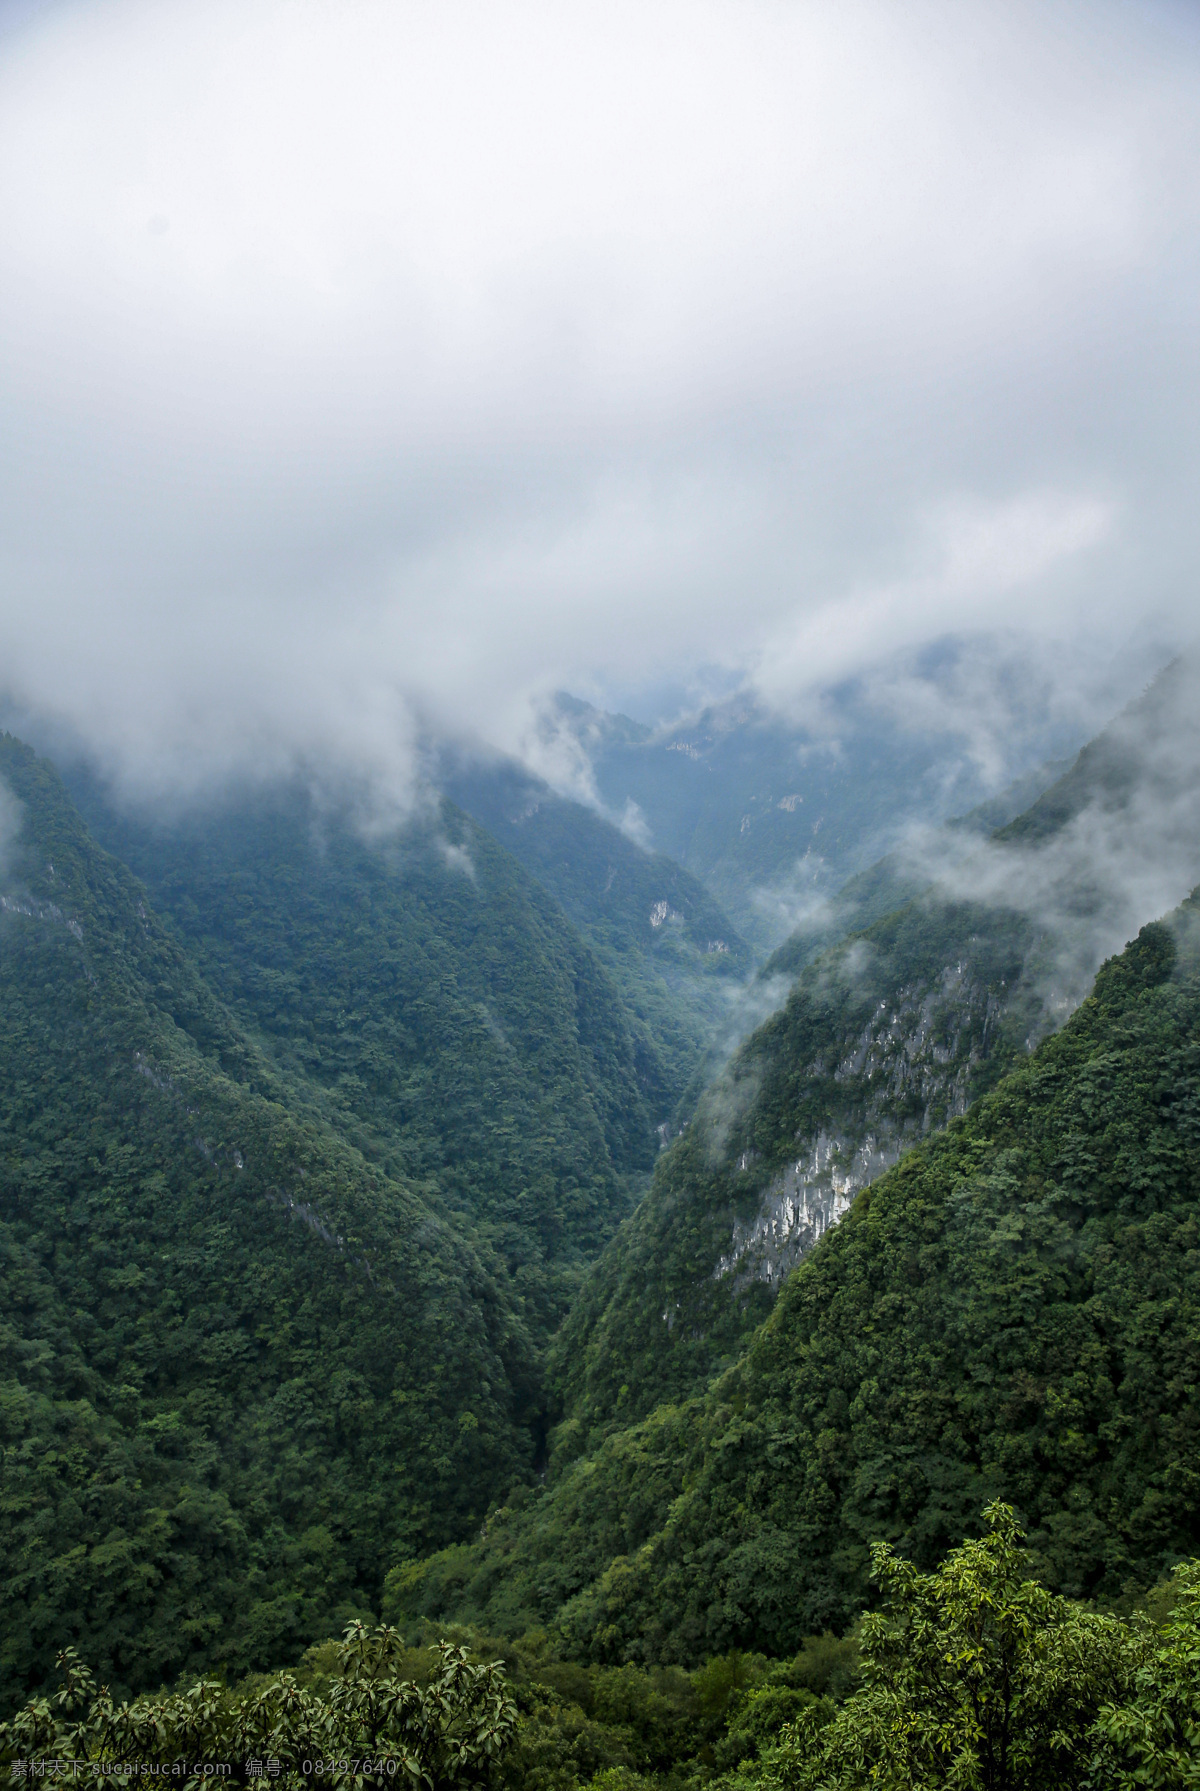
(1089, 880)
(367, 374)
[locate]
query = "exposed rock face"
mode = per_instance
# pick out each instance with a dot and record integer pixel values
(904, 1073)
(914, 1002)
(801, 1203)
(923, 1045)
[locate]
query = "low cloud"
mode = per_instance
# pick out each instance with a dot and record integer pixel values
(373, 372)
(1127, 855)
(457, 858)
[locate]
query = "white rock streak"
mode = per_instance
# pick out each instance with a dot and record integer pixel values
(803, 1202)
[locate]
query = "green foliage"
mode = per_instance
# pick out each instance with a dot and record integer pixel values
(430, 1000)
(880, 1039)
(241, 1369)
(669, 948)
(918, 1008)
(294, 1190)
(276, 1261)
(973, 1677)
(1151, 1737)
(631, 1726)
(1013, 1312)
(543, 1549)
(370, 1727)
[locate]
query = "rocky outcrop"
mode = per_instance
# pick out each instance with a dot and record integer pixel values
(802, 1202)
(903, 1074)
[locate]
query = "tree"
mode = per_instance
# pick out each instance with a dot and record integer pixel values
(973, 1678)
(1151, 1741)
(370, 1728)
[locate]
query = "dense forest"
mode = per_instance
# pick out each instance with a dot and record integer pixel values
(373, 1252)
(298, 1181)
(433, 1003)
(671, 950)
(973, 1673)
(884, 1036)
(240, 1360)
(1010, 1312)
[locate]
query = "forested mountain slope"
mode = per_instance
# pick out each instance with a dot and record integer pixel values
(882, 1039)
(670, 949)
(1013, 1311)
(242, 1367)
(432, 1001)
(1146, 757)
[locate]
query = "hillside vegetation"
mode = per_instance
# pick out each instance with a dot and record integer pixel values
(670, 949)
(903, 875)
(1010, 1312)
(315, 1154)
(971, 1673)
(883, 1038)
(242, 1367)
(882, 1041)
(432, 1002)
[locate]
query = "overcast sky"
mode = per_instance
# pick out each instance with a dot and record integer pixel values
(373, 366)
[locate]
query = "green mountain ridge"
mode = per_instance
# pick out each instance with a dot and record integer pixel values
(900, 877)
(432, 1001)
(241, 1365)
(882, 1039)
(306, 1177)
(316, 1151)
(669, 947)
(1011, 1311)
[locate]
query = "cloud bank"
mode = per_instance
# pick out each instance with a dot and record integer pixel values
(370, 370)
(1124, 847)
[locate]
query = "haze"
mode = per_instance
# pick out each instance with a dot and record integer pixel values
(377, 369)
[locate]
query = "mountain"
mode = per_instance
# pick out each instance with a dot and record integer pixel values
(428, 998)
(1145, 759)
(1011, 1312)
(309, 1135)
(773, 816)
(309, 1138)
(243, 1365)
(671, 951)
(882, 1040)
(902, 876)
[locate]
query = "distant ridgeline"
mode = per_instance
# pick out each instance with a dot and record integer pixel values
(669, 948)
(765, 812)
(293, 1190)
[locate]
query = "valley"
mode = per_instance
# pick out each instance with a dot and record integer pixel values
(468, 1229)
